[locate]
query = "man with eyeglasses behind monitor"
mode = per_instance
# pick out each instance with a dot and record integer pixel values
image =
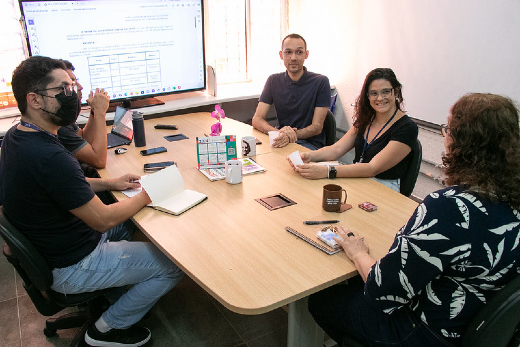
(89, 145)
(301, 99)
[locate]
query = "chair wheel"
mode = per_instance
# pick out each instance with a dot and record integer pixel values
(49, 332)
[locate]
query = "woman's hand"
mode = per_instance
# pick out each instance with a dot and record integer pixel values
(313, 171)
(353, 245)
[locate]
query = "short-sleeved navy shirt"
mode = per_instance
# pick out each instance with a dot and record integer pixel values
(40, 182)
(405, 131)
(69, 138)
(295, 101)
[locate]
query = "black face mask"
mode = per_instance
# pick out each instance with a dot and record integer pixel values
(68, 112)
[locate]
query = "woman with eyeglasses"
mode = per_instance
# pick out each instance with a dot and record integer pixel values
(382, 134)
(458, 249)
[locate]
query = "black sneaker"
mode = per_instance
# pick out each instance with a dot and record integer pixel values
(132, 337)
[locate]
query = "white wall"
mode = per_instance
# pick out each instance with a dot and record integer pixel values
(331, 29)
(438, 49)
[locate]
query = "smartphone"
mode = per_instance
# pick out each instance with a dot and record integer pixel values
(151, 151)
(151, 167)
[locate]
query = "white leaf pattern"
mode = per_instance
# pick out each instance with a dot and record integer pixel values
(424, 227)
(419, 217)
(406, 284)
(432, 296)
(404, 253)
(465, 213)
(489, 254)
(504, 228)
(517, 240)
(426, 256)
(473, 199)
(457, 249)
(500, 251)
(426, 237)
(377, 273)
(457, 303)
(449, 192)
(473, 290)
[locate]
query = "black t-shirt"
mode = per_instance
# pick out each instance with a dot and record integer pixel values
(69, 138)
(404, 131)
(40, 182)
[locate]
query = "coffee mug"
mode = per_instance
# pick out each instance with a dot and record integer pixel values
(248, 146)
(233, 170)
(332, 198)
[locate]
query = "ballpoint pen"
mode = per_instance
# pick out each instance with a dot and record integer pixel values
(314, 222)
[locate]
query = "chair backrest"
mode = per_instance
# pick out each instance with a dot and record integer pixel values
(329, 127)
(332, 107)
(495, 325)
(30, 265)
(410, 177)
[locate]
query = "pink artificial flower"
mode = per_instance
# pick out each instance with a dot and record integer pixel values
(216, 129)
(218, 113)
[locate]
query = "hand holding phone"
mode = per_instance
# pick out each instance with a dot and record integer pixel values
(151, 151)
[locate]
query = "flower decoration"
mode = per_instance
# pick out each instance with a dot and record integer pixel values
(216, 128)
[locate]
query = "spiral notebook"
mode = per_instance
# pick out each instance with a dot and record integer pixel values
(309, 235)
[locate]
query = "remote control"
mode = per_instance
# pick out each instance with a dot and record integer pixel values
(165, 126)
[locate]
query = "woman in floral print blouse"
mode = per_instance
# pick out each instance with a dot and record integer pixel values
(461, 245)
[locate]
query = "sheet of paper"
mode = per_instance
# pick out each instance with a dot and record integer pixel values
(295, 158)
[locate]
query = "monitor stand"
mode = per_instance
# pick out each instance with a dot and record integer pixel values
(131, 104)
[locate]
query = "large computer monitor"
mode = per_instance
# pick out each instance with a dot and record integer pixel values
(134, 49)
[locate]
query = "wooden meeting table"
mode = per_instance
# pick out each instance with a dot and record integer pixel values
(238, 250)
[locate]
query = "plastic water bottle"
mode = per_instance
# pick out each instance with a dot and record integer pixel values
(138, 124)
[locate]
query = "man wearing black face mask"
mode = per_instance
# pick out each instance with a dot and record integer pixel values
(88, 144)
(47, 197)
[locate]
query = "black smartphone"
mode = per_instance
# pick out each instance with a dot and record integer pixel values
(150, 167)
(151, 151)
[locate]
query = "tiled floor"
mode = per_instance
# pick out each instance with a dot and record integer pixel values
(187, 316)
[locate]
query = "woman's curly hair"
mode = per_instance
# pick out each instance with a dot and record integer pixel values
(363, 112)
(484, 155)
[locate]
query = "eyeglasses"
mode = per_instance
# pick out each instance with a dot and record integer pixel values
(68, 89)
(385, 93)
(445, 130)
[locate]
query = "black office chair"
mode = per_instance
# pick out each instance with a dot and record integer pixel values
(410, 177)
(329, 127)
(37, 278)
(497, 324)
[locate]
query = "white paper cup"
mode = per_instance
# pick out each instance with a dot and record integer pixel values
(248, 146)
(273, 135)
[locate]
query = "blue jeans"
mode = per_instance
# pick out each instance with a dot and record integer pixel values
(116, 262)
(344, 310)
(393, 184)
(307, 145)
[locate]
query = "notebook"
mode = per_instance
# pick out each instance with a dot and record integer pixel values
(122, 130)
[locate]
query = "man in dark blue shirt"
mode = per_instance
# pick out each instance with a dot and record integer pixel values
(47, 197)
(301, 99)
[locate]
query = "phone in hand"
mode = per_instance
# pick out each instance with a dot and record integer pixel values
(152, 167)
(151, 151)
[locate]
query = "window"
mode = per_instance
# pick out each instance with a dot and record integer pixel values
(243, 38)
(11, 49)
